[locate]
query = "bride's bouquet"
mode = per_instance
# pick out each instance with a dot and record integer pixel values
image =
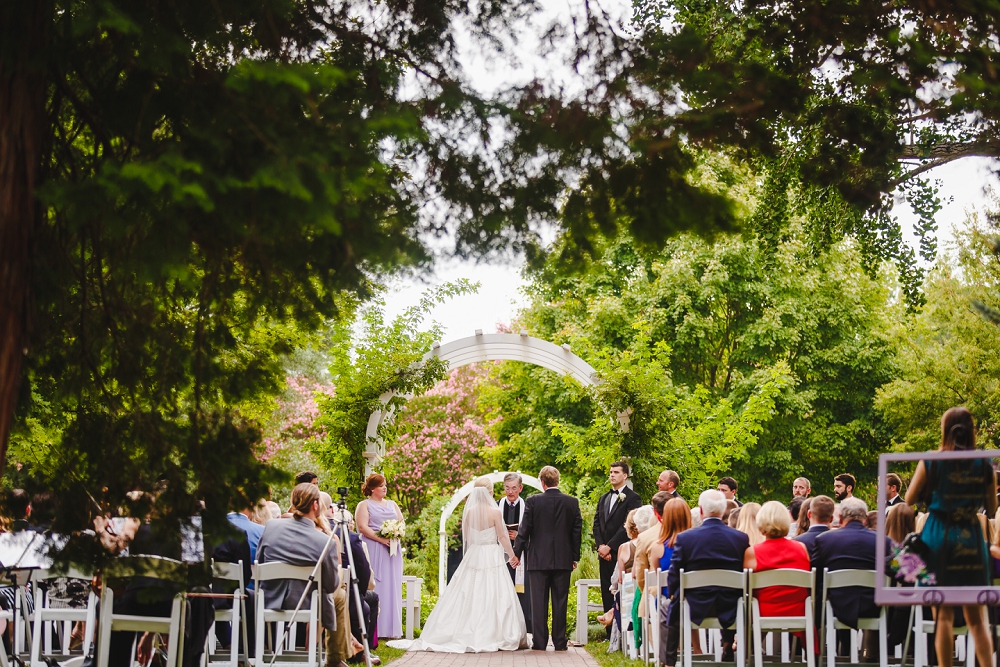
(394, 530)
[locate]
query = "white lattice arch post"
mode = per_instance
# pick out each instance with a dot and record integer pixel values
(458, 497)
(486, 347)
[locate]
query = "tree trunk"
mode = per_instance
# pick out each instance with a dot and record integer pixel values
(24, 31)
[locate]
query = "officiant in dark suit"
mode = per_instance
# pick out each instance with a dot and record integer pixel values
(512, 507)
(609, 526)
(550, 530)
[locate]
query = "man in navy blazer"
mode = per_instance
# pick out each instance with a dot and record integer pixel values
(711, 546)
(820, 513)
(850, 547)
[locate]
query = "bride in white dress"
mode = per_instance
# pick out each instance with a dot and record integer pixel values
(478, 611)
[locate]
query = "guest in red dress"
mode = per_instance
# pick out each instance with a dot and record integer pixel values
(778, 552)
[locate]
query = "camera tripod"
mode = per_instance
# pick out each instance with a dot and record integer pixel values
(353, 574)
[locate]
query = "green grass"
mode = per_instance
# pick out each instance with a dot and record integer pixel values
(599, 650)
(387, 653)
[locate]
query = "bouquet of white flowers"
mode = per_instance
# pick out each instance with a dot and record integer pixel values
(394, 530)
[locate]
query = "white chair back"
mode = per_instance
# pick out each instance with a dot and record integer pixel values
(309, 614)
(45, 617)
(235, 616)
(843, 579)
(143, 566)
(716, 578)
(759, 623)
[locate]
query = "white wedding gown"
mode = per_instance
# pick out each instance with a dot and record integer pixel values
(479, 610)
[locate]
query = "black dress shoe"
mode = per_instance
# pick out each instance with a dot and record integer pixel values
(728, 655)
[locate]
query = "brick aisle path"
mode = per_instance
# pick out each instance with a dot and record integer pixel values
(575, 656)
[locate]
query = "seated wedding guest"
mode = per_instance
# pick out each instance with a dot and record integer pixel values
(794, 509)
(274, 509)
(649, 536)
(297, 541)
(777, 552)
(143, 596)
(625, 558)
(730, 507)
(734, 517)
(18, 507)
(676, 519)
(235, 550)
(711, 546)
(818, 514)
(242, 519)
(850, 547)
(748, 523)
(871, 521)
(900, 521)
(261, 513)
(803, 522)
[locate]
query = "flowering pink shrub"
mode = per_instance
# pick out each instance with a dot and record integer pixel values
(441, 435)
(295, 420)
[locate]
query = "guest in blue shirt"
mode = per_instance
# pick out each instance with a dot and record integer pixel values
(253, 530)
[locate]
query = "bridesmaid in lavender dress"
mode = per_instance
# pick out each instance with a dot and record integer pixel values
(388, 570)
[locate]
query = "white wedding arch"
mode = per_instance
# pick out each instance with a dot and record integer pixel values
(458, 497)
(486, 347)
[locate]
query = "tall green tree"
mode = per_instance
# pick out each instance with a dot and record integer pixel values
(948, 353)
(733, 358)
(842, 107)
(190, 190)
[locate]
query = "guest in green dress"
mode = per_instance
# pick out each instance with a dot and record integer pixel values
(957, 490)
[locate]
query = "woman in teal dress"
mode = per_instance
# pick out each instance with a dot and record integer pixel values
(959, 554)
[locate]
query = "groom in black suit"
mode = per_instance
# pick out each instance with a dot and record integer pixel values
(551, 529)
(609, 526)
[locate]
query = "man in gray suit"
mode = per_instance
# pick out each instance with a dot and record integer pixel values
(297, 541)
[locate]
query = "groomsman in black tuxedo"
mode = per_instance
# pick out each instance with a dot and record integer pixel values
(609, 526)
(550, 530)
(893, 485)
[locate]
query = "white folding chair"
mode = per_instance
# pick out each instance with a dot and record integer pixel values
(782, 577)
(717, 579)
(627, 596)
(46, 617)
(584, 607)
(173, 625)
(308, 614)
(235, 615)
(648, 649)
(964, 646)
(842, 579)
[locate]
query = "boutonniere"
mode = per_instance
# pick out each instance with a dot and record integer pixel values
(621, 496)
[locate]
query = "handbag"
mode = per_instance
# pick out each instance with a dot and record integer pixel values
(909, 561)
